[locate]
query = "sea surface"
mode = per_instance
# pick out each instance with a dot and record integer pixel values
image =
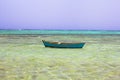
(24, 57)
(59, 31)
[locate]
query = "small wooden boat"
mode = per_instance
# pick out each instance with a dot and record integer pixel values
(62, 45)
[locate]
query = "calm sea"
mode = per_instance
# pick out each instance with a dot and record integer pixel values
(59, 31)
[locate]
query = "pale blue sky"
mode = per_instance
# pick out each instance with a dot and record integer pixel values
(60, 14)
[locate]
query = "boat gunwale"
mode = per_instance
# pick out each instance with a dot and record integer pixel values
(63, 42)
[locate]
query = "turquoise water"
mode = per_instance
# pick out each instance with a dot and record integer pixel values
(59, 32)
(24, 57)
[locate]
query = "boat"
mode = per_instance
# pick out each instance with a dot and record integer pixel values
(63, 44)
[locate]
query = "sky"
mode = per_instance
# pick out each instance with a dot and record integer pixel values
(60, 14)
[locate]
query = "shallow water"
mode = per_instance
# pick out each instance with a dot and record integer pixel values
(25, 57)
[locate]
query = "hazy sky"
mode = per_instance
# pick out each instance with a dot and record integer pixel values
(60, 14)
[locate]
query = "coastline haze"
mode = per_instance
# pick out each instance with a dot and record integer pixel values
(60, 14)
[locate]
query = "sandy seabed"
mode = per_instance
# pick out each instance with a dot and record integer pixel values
(24, 57)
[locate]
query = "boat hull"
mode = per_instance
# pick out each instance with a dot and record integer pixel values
(63, 45)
